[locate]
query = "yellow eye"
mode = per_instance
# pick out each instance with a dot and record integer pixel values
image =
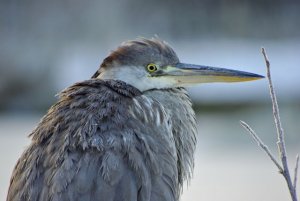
(151, 67)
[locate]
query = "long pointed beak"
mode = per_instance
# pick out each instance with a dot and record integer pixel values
(192, 74)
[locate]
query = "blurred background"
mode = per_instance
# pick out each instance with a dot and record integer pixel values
(48, 45)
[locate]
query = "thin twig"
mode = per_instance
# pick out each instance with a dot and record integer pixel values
(261, 144)
(296, 171)
(280, 133)
(283, 169)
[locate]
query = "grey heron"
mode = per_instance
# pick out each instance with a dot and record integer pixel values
(126, 134)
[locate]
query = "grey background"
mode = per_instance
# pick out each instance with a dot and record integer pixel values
(48, 45)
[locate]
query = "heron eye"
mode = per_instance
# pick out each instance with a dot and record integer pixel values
(151, 68)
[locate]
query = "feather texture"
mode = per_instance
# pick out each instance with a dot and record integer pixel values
(107, 141)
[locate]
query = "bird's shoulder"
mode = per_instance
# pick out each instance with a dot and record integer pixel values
(99, 133)
(99, 108)
(82, 102)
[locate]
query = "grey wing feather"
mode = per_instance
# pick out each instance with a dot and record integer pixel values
(95, 144)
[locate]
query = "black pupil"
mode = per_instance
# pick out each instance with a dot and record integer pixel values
(151, 68)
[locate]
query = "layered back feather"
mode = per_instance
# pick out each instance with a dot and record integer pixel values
(107, 141)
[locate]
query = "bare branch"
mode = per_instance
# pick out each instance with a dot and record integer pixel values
(280, 133)
(261, 144)
(296, 172)
(283, 168)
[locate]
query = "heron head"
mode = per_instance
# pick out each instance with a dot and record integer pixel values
(152, 63)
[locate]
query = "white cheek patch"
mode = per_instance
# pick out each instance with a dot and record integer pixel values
(138, 77)
(162, 82)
